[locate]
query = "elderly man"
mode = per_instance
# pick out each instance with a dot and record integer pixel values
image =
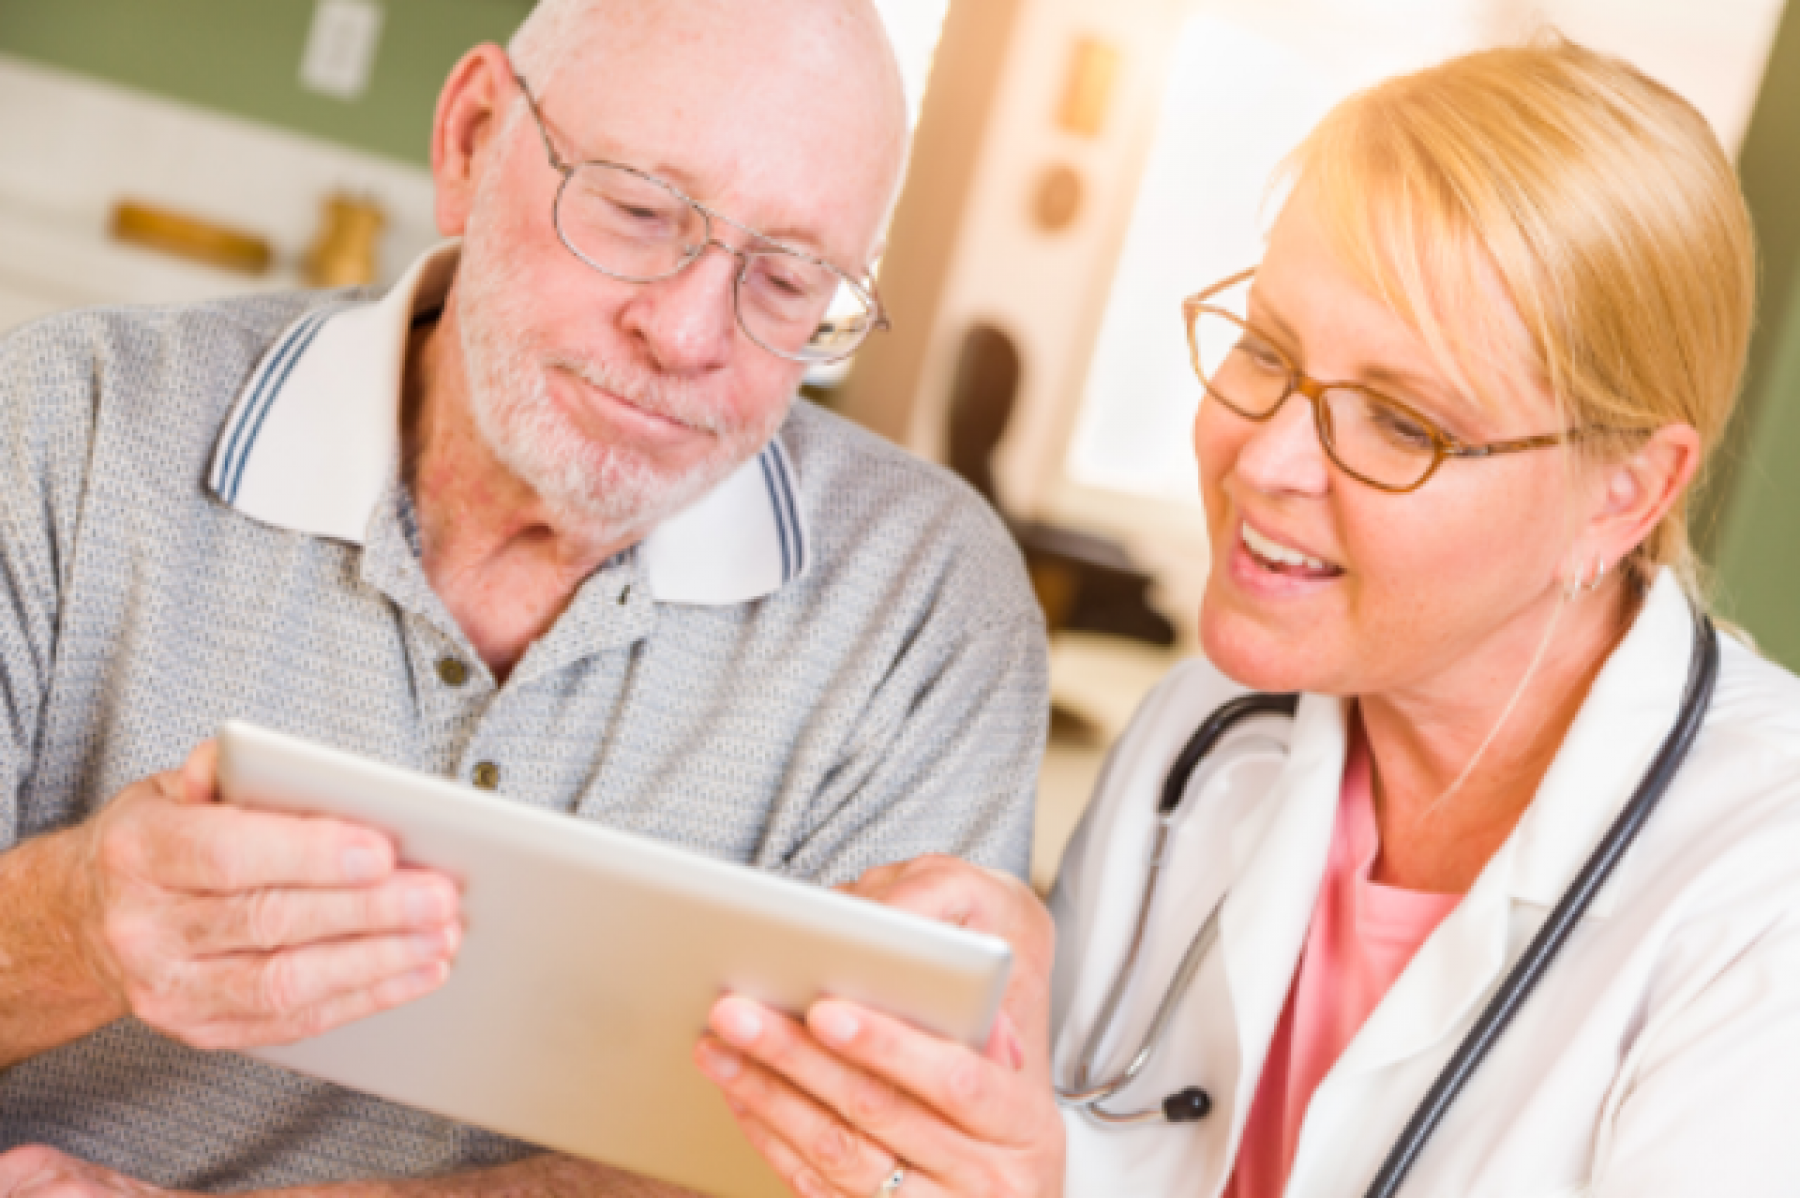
(543, 519)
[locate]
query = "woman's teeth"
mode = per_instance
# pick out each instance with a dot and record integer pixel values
(1272, 553)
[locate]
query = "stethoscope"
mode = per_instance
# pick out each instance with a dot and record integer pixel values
(1193, 1103)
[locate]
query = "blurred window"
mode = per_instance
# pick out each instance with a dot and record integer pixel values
(914, 26)
(1250, 78)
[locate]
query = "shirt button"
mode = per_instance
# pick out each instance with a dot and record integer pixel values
(452, 671)
(487, 775)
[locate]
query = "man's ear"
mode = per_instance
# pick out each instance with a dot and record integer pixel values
(468, 115)
(1638, 490)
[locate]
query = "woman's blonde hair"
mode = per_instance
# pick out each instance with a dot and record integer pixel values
(1593, 199)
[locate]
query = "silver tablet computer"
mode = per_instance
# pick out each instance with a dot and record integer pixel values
(590, 962)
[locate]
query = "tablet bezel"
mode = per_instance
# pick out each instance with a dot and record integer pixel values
(532, 1058)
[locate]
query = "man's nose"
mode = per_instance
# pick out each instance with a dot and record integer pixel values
(688, 321)
(1284, 453)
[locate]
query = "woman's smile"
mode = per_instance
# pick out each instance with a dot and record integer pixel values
(1264, 566)
(1282, 558)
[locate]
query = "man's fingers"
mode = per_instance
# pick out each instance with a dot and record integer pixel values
(258, 988)
(219, 850)
(986, 1100)
(299, 978)
(200, 774)
(36, 1171)
(319, 1018)
(20, 1165)
(286, 917)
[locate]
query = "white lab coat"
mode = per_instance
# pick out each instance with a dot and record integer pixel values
(1659, 1056)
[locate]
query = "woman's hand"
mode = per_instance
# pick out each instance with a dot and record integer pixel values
(836, 1104)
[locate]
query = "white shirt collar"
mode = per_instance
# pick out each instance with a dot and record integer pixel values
(312, 442)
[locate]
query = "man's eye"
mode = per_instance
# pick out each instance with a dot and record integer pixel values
(784, 285)
(638, 216)
(784, 282)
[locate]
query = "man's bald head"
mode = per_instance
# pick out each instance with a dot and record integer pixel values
(808, 59)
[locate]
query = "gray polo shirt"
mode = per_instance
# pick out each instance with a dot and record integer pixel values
(830, 661)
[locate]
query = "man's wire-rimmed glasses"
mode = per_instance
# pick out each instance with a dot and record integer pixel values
(1371, 437)
(633, 226)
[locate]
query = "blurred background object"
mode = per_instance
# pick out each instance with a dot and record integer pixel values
(230, 116)
(344, 252)
(1084, 582)
(1080, 166)
(188, 237)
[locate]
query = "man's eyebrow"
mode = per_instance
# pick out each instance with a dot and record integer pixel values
(601, 148)
(694, 188)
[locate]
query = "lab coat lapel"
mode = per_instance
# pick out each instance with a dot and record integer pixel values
(1628, 710)
(1444, 983)
(1279, 850)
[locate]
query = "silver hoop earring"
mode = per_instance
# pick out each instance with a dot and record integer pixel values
(1581, 584)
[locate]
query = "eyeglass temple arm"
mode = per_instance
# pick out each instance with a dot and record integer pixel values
(881, 324)
(1200, 297)
(556, 160)
(1459, 450)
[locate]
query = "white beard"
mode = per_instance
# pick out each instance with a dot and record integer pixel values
(609, 490)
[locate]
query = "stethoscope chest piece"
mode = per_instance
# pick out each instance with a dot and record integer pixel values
(1187, 1106)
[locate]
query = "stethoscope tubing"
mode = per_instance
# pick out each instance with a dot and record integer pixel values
(1703, 673)
(1495, 1017)
(1086, 1094)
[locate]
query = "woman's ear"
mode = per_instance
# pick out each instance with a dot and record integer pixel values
(468, 115)
(1637, 491)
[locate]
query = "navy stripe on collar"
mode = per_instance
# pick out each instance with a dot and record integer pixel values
(247, 419)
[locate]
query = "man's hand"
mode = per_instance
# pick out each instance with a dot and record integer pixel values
(220, 927)
(39, 1172)
(226, 928)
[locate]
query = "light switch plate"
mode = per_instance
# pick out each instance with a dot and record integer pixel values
(340, 49)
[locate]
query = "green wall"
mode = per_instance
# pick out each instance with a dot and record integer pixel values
(243, 57)
(1753, 513)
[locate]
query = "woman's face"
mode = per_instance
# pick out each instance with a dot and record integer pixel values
(1322, 583)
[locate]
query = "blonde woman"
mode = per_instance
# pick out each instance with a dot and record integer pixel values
(1446, 450)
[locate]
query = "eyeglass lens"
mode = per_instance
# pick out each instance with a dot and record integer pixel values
(1377, 439)
(635, 228)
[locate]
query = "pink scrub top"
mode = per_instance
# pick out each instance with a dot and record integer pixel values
(1361, 937)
